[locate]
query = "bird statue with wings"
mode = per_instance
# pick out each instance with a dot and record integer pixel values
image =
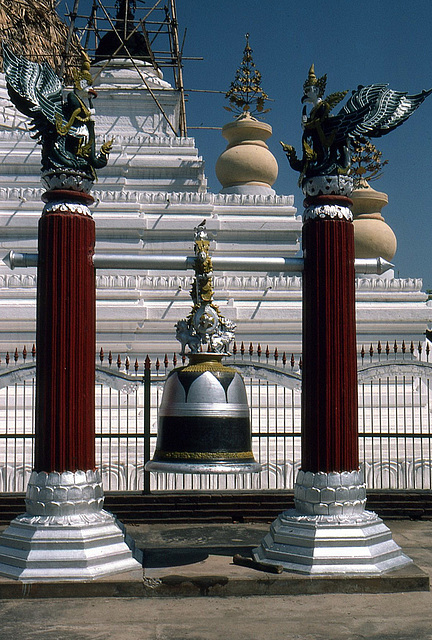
(62, 125)
(327, 140)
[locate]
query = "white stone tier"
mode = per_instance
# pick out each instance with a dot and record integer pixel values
(136, 312)
(148, 200)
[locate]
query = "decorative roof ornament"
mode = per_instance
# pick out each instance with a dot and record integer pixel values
(63, 127)
(205, 325)
(328, 141)
(245, 93)
(313, 81)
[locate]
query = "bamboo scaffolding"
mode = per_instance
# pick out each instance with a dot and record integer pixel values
(36, 31)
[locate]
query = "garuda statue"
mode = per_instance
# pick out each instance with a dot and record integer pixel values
(62, 125)
(327, 140)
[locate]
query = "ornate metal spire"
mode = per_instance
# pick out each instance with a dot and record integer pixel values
(205, 324)
(366, 162)
(245, 92)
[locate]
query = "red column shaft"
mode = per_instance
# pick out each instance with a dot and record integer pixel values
(329, 387)
(65, 338)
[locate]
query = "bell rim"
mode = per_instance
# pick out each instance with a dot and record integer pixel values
(219, 467)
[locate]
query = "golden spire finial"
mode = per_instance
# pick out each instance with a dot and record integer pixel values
(313, 81)
(245, 93)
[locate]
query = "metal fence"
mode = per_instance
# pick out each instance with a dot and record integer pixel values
(395, 433)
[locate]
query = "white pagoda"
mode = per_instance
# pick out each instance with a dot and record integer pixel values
(150, 198)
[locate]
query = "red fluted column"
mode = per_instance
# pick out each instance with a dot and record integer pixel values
(65, 535)
(329, 387)
(65, 335)
(321, 535)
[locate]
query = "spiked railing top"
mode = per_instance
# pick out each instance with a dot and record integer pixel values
(386, 351)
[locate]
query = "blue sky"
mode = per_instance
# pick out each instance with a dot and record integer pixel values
(353, 43)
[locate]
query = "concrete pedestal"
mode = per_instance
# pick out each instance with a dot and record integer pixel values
(65, 535)
(33, 550)
(330, 532)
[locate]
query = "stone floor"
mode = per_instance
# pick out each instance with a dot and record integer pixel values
(321, 616)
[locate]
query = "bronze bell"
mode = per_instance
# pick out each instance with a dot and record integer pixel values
(204, 424)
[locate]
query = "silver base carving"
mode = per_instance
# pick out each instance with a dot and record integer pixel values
(328, 185)
(65, 535)
(329, 532)
(329, 494)
(67, 179)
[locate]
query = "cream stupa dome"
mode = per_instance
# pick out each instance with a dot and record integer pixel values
(247, 166)
(373, 237)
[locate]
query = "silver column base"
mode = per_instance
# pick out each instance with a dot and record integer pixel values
(65, 535)
(346, 539)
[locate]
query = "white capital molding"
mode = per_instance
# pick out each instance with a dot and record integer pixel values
(17, 134)
(164, 197)
(330, 211)
(66, 207)
(23, 194)
(225, 282)
(255, 199)
(392, 284)
(149, 140)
